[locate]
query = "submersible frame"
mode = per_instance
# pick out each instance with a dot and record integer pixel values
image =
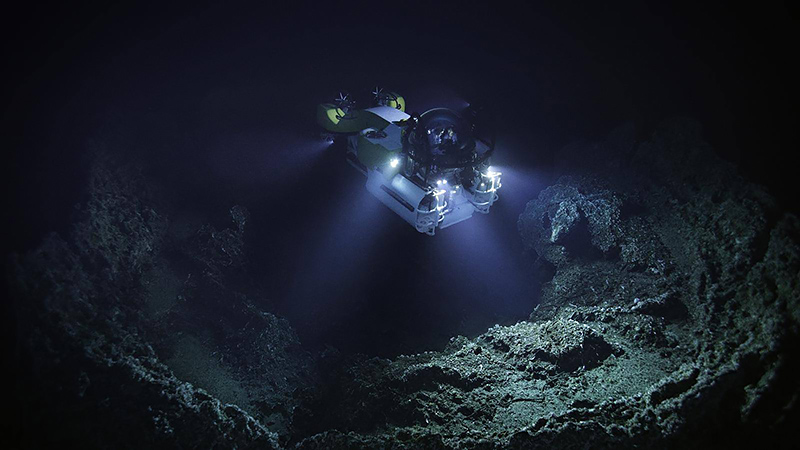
(432, 169)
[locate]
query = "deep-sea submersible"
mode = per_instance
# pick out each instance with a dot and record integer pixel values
(430, 169)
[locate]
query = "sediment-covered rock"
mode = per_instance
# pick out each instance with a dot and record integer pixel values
(90, 376)
(567, 217)
(670, 321)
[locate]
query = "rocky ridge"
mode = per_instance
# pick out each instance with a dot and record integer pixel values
(670, 321)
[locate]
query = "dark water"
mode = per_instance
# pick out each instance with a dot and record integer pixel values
(217, 104)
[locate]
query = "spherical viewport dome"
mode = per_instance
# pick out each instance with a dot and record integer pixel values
(443, 138)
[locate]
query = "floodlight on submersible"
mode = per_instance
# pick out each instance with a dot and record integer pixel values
(430, 169)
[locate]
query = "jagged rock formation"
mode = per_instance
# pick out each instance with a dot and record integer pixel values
(89, 373)
(670, 321)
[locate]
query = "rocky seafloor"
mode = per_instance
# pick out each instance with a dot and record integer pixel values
(670, 321)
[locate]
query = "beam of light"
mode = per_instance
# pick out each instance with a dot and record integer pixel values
(253, 157)
(520, 185)
(335, 255)
(478, 265)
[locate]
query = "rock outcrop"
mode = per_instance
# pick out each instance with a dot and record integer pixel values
(89, 374)
(670, 321)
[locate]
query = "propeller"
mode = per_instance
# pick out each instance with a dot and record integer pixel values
(383, 98)
(344, 102)
(378, 93)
